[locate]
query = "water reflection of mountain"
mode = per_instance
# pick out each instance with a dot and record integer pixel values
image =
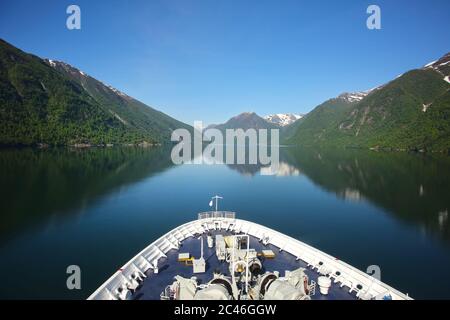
(284, 169)
(247, 169)
(38, 183)
(413, 187)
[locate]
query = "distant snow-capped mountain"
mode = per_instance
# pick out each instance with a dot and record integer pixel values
(283, 119)
(245, 121)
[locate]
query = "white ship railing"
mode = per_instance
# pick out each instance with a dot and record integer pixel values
(344, 274)
(217, 214)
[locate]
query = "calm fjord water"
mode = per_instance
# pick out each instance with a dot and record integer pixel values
(97, 208)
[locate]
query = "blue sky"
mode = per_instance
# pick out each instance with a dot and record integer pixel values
(210, 60)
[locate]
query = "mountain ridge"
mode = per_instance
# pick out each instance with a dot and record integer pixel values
(121, 105)
(46, 102)
(411, 112)
(245, 121)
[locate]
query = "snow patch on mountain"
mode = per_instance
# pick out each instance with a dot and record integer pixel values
(430, 64)
(354, 96)
(120, 93)
(65, 66)
(73, 70)
(425, 107)
(283, 119)
(440, 66)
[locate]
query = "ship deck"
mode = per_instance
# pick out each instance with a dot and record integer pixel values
(169, 267)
